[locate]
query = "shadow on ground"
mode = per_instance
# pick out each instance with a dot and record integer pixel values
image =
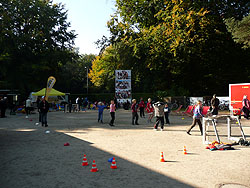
(31, 158)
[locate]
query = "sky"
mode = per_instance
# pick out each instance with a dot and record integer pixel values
(89, 20)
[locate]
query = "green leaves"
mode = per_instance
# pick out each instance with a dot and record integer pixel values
(240, 30)
(35, 34)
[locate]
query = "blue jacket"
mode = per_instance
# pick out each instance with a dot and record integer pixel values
(101, 108)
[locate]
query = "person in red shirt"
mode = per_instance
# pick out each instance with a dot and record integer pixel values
(142, 106)
(150, 110)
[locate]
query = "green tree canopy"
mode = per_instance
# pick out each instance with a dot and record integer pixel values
(73, 74)
(240, 30)
(168, 42)
(35, 41)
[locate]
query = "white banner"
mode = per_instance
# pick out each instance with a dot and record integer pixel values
(123, 85)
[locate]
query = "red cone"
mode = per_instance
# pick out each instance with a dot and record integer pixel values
(84, 161)
(94, 169)
(162, 158)
(113, 164)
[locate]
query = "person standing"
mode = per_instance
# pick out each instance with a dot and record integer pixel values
(196, 117)
(44, 108)
(38, 101)
(150, 110)
(116, 102)
(70, 106)
(215, 105)
(112, 112)
(135, 116)
(166, 113)
(100, 107)
(245, 106)
(142, 106)
(28, 107)
(159, 114)
(3, 106)
(78, 104)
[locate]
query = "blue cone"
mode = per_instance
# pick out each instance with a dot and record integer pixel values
(110, 160)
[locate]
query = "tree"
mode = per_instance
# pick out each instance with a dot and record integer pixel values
(35, 41)
(103, 68)
(240, 30)
(174, 40)
(73, 75)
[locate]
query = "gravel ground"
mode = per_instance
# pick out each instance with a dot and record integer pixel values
(30, 157)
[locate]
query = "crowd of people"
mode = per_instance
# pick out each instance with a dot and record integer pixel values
(158, 109)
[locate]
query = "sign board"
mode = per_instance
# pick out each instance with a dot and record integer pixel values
(236, 93)
(123, 85)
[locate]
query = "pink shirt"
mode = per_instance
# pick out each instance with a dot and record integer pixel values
(112, 108)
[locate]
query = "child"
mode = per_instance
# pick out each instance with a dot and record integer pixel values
(112, 112)
(166, 112)
(134, 108)
(101, 107)
(142, 106)
(150, 110)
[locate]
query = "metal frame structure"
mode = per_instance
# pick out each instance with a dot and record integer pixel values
(206, 122)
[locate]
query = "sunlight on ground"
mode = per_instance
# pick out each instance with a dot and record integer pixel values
(113, 152)
(24, 130)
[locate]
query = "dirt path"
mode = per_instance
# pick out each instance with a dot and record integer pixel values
(32, 158)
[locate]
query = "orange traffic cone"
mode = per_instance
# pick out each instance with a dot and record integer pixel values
(113, 164)
(185, 150)
(162, 158)
(94, 169)
(84, 161)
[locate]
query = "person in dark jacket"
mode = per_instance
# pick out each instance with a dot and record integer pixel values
(135, 116)
(245, 106)
(166, 113)
(142, 106)
(44, 108)
(215, 105)
(3, 106)
(70, 106)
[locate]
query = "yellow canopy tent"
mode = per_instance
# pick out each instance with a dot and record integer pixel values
(53, 92)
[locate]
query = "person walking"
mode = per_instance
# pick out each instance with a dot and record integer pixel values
(214, 105)
(245, 106)
(100, 107)
(159, 114)
(44, 108)
(135, 116)
(142, 106)
(196, 118)
(166, 113)
(150, 110)
(112, 112)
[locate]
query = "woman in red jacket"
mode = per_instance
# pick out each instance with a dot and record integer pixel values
(150, 110)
